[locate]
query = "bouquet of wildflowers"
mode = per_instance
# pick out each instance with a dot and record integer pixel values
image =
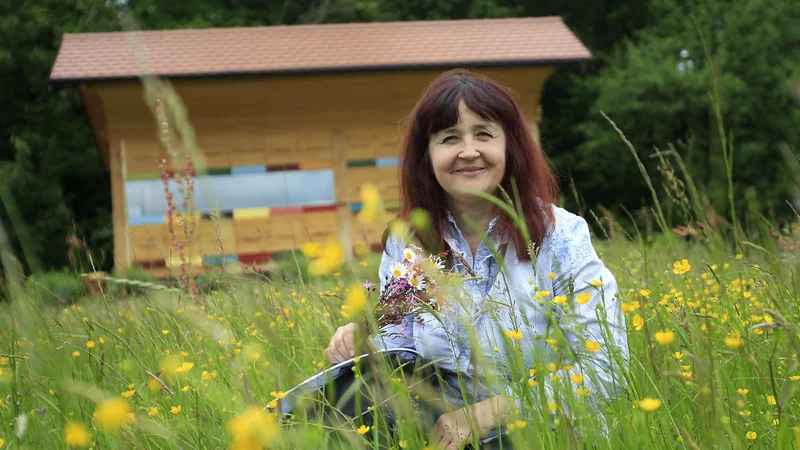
(411, 287)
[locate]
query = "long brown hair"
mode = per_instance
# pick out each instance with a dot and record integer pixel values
(526, 164)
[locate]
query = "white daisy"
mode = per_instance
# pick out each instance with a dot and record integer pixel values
(409, 255)
(417, 282)
(398, 270)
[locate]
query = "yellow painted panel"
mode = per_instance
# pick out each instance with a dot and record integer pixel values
(250, 213)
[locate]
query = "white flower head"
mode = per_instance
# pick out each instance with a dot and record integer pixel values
(417, 282)
(409, 254)
(398, 270)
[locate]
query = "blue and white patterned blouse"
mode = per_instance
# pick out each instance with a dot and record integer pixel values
(566, 258)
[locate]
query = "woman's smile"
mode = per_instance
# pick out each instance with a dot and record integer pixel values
(471, 171)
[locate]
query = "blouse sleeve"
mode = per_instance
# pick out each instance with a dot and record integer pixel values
(401, 335)
(600, 319)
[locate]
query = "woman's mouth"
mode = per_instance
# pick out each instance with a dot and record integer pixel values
(470, 171)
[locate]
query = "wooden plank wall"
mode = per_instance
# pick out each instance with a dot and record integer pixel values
(273, 121)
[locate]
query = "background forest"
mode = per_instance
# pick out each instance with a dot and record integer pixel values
(650, 76)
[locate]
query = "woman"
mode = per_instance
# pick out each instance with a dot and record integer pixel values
(467, 134)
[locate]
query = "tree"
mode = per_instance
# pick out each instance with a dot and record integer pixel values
(656, 86)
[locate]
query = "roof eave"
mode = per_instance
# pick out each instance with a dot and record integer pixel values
(324, 70)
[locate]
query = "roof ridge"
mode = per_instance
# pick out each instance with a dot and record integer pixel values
(397, 23)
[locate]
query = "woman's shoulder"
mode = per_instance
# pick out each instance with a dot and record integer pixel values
(566, 227)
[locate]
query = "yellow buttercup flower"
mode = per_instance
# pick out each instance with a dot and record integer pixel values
(596, 283)
(252, 429)
(329, 258)
(175, 410)
(649, 404)
(311, 250)
(665, 337)
(638, 322)
(771, 400)
(733, 341)
(644, 292)
(363, 429)
(278, 395)
(75, 435)
(128, 394)
(514, 334)
(583, 298)
(751, 435)
(153, 411)
(592, 346)
(371, 205)
(560, 300)
(577, 379)
(681, 267)
(355, 299)
(89, 344)
(111, 414)
(185, 367)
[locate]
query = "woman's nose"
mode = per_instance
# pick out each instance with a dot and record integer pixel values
(470, 150)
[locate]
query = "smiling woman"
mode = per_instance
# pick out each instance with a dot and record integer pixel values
(544, 300)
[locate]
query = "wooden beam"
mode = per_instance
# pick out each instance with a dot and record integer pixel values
(118, 212)
(340, 193)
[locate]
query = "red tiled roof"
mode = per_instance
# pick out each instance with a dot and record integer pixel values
(317, 48)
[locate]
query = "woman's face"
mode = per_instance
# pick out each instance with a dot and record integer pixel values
(471, 155)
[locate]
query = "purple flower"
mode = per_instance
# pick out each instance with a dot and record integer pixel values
(368, 285)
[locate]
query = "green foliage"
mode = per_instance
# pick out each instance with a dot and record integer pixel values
(655, 87)
(56, 288)
(53, 184)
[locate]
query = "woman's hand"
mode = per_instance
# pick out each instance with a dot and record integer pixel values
(343, 344)
(452, 430)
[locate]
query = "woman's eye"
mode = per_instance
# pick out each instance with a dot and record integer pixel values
(448, 138)
(485, 134)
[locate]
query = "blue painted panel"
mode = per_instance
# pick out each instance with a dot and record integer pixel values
(387, 162)
(154, 219)
(217, 260)
(240, 170)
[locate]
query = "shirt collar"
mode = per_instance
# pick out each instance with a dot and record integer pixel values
(489, 231)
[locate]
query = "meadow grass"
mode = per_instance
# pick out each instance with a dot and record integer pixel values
(713, 327)
(715, 342)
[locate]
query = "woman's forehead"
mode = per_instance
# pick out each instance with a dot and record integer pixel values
(468, 119)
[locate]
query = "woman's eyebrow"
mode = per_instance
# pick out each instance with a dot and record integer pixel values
(474, 127)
